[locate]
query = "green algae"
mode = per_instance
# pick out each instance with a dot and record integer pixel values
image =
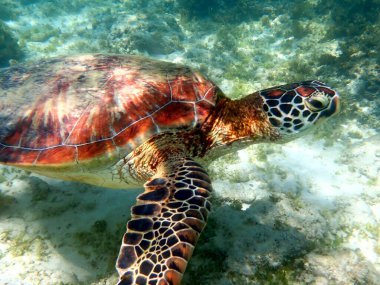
(6, 201)
(100, 245)
(40, 190)
(40, 34)
(9, 49)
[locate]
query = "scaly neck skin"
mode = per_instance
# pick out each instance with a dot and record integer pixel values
(231, 126)
(238, 122)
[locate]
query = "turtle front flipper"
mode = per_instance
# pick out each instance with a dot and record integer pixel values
(165, 225)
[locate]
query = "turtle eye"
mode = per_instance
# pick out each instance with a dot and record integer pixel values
(317, 101)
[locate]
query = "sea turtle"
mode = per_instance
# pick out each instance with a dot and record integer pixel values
(124, 121)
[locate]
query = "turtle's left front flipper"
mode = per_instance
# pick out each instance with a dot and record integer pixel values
(165, 226)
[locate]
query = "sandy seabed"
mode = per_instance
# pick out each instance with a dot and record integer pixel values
(307, 212)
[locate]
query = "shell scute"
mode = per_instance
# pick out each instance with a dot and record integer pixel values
(18, 155)
(183, 89)
(169, 116)
(202, 108)
(95, 149)
(74, 109)
(56, 155)
(140, 130)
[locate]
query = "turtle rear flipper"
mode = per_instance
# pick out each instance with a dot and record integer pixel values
(165, 226)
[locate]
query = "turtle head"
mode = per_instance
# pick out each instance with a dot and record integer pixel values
(294, 108)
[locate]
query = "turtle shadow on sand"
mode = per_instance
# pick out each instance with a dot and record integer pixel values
(244, 246)
(66, 226)
(81, 226)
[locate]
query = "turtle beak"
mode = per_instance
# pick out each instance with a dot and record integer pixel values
(334, 107)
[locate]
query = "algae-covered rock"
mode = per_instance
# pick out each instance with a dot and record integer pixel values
(153, 34)
(9, 48)
(223, 10)
(9, 10)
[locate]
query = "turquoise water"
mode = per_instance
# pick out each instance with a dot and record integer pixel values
(284, 214)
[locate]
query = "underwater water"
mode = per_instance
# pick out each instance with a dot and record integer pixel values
(305, 212)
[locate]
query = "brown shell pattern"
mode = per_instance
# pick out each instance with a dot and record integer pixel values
(73, 109)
